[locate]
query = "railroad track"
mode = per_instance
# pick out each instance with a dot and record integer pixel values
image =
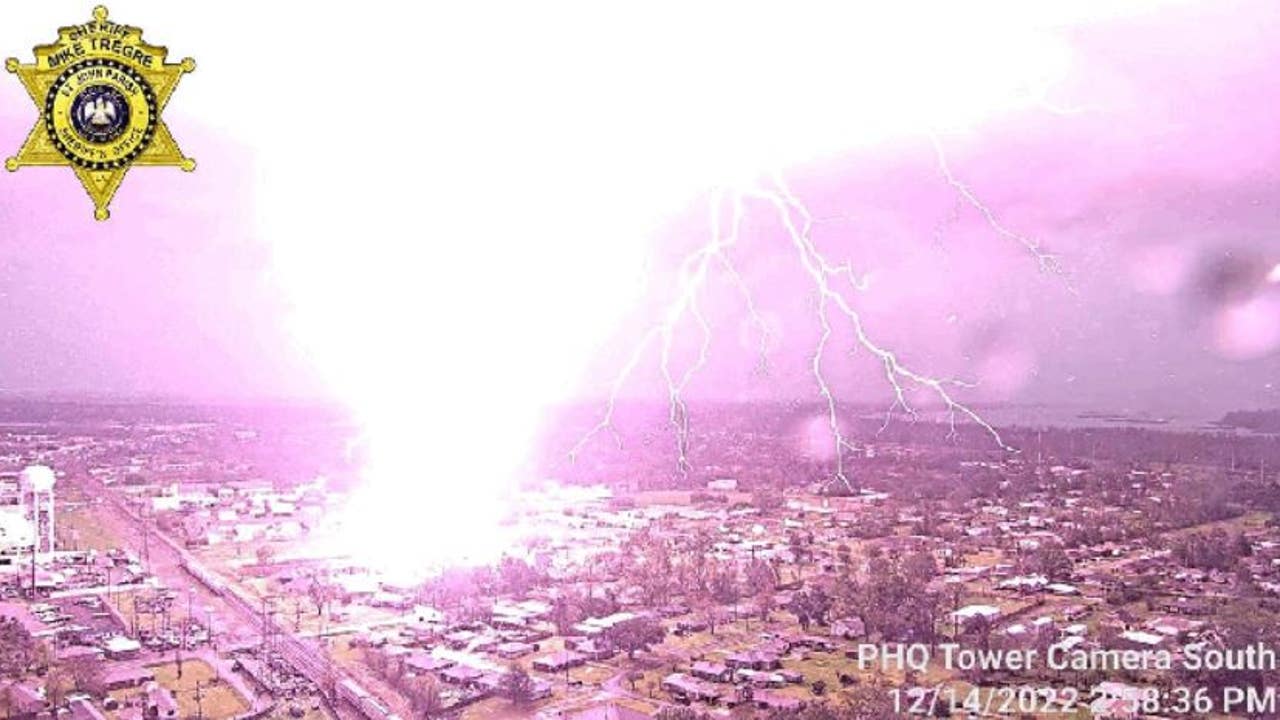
(310, 662)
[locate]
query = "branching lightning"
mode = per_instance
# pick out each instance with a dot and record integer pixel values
(833, 283)
(1047, 261)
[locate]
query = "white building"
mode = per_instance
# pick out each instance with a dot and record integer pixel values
(16, 530)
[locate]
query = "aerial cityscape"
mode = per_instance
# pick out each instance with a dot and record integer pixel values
(679, 361)
(172, 561)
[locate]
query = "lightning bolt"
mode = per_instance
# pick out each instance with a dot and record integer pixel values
(834, 283)
(1047, 261)
(692, 278)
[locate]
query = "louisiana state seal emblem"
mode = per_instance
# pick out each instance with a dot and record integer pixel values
(100, 91)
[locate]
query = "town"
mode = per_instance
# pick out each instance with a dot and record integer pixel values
(156, 566)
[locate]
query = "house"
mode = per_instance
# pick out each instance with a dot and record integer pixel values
(812, 642)
(679, 685)
(791, 676)
(421, 662)
(689, 626)
(754, 660)
(970, 614)
(1175, 627)
(715, 672)
(459, 639)
(767, 700)
(591, 647)
(121, 648)
(513, 650)
(461, 675)
(25, 701)
(1183, 606)
(1023, 583)
(1073, 612)
(757, 678)
(673, 610)
(597, 625)
(849, 628)
(83, 709)
(79, 652)
(492, 682)
(119, 676)
(559, 662)
(1139, 640)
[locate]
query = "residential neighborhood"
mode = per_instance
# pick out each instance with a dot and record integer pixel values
(178, 585)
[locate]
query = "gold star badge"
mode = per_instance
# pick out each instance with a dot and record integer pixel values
(100, 90)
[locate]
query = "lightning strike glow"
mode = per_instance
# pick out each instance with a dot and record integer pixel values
(470, 283)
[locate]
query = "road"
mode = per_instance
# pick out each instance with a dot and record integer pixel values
(233, 609)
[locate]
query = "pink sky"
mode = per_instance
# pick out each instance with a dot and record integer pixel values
(1168, 166)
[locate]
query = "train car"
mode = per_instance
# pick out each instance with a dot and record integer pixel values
(210, 580)
(374, 709)
(364, 701)
(349, 691)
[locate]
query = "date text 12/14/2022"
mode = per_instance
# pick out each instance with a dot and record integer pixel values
(1048, 700)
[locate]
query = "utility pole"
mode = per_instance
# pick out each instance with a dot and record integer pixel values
(146, 545)
(208, 627)
(182, 641)
(35, 540)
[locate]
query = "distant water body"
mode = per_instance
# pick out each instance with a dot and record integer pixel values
(1073, 417)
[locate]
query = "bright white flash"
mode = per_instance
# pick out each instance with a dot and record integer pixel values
(468, 255)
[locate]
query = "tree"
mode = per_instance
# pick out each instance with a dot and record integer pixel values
(517, 686)
(17, 649)
(1053, 562)
(811, 606)
(265, 553)
(724, 585)
(639, 633)
(767, 499)
(1240, 623)
(517, 576)
(376, 659)
(321, 594)
(650, 567)
(57, 684)
(87, 675)
(425, 698)
(566, 611)
(762, 579)
(895, 601)
(8, 698)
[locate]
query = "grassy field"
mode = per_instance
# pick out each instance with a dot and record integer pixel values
(217, 699)
(496, 709)
(82, 529)
(1248, 521)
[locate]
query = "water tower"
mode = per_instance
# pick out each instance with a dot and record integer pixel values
(36, 483)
